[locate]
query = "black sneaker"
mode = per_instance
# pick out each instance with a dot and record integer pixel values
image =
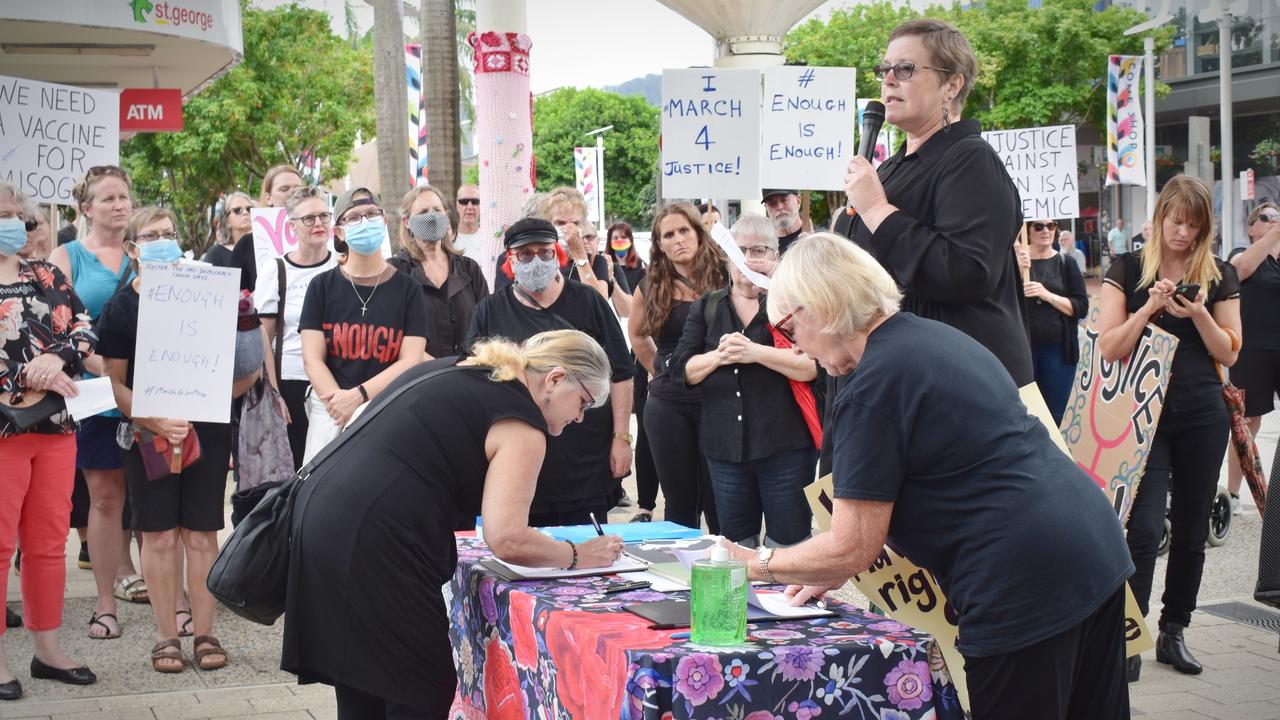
(83, 562)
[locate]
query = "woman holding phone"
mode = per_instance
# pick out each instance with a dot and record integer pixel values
(1175, 283)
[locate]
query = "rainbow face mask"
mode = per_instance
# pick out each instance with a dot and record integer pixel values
(620, 246)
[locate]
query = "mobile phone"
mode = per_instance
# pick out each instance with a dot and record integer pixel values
(1188, 292)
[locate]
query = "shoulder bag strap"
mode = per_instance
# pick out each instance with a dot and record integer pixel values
(279, 342)
(515, 287)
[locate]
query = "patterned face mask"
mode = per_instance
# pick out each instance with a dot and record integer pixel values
(429, 227)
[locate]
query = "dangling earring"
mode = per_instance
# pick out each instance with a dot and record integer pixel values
(946, 120)
(546, 400)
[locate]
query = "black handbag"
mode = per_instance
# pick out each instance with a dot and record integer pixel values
(21, 418)
(251, 574)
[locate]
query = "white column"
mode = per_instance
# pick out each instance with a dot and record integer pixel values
(1149, 49)
(1224, 124)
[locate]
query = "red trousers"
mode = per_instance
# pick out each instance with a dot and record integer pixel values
(37, 473)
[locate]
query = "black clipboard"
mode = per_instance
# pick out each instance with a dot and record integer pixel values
(671, 614)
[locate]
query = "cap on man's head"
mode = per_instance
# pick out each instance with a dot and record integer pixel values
(349, 199)
(770, 192)
(529, 230)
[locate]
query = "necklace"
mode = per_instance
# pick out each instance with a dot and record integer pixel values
(364, 303)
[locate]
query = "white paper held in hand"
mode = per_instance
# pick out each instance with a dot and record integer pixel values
(95, 397)
(725, 240)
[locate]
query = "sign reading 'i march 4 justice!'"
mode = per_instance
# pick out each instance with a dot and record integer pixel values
(710, 133)
(809, 117)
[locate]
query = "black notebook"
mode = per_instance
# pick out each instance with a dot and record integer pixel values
(669, 614)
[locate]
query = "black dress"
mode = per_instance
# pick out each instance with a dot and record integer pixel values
(373, 538)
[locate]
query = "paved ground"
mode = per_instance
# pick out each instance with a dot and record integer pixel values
(1241, 680)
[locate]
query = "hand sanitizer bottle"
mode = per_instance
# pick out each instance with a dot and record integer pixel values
(718, 602)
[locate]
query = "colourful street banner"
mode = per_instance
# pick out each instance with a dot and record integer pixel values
(1125, 146)
(417, 114)
(588, 180)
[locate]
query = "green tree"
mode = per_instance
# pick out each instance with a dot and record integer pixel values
(561, 120)
(1037, 66)
(301, 96)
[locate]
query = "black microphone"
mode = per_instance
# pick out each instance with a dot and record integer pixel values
(872, 121)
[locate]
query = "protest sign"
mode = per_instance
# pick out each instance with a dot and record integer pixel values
(808, 126)
(1110, 420)
(272, 234)
(1042, 163)
(710, 133)
(884, 141)
(50, 135)
(186, 342)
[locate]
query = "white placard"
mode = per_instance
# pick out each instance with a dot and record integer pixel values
(50, 135)
(809, 115)
(1042, 163)
(186, 342)
(710, 133)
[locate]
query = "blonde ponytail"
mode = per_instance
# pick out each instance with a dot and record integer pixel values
(573, 351)
(506, 360)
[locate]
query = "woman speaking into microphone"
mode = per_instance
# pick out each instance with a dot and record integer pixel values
(941, 214)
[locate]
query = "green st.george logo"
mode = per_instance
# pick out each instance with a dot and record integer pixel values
(140, 8)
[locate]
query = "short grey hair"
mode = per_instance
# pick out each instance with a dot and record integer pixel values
(224, 212)
(839, 283)
(1066, 235)
(756, 227)
(9, 190)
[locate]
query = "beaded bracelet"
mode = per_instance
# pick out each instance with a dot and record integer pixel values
(573, 565)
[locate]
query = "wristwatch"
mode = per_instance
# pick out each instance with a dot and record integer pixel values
(624, 437)
(762, 560)
(580, 263)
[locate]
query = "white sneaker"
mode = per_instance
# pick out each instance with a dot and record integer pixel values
(1235, 505)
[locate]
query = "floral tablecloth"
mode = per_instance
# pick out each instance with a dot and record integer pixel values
(563, 649)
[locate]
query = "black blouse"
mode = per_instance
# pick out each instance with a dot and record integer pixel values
(449, 308)
(949, 246)
(1049, 325)
(748, 409)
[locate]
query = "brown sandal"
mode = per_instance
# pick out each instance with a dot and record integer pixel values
(201, 654)
(163, 655)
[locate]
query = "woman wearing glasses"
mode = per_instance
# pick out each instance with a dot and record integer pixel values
(179, 514)
(281, 314)
(760, 452)
(362, 322)
(1056, 302)
(234, 222)
(1257, 371)
(451, 282)
(941, 214)
(98, 266)
(581, 472)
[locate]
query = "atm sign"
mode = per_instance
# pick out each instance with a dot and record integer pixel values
(151, 110)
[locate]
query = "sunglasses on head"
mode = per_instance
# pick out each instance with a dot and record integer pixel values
(468, 201)
(1268, 217)
(1040, 226)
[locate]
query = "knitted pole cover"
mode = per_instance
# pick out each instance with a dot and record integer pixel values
(504, 136)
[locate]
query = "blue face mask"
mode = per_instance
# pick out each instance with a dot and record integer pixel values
(160, 251)
(367, 237)
(13, 236)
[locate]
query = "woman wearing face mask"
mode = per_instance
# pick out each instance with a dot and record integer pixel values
(451, 282)
(280, 316)
(234, 222)
(684, 265)
(179, 514)
(582, 471)
(45, 335)
(362, 323)
(98, 267)
(759, 451)
(277, 184)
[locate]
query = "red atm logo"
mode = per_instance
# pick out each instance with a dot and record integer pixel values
(151, 110)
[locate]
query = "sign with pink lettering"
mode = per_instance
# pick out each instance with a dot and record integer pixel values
(272, 234)
(1111, 419)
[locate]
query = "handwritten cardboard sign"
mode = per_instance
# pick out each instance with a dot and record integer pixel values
(186, 342)
(50, 135)
(1110, 420)
(1042, 163)
(710, 133)
(808, 126)
(272, 234)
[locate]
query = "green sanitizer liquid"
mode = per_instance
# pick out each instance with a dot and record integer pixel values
(718, 602)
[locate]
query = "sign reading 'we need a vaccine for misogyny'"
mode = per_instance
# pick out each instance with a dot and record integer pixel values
(186, 342)
(710, 133)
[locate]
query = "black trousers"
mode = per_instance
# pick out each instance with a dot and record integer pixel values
(294, 393)
(682, 470)
(580, 515)
(646, 473)
(1186, 455)
(1074, 675)
(356, 705)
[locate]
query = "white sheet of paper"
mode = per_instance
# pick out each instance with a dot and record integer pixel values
(625, 563)
(725, 240)
(95, 397)
(775, 603)
(657, 583)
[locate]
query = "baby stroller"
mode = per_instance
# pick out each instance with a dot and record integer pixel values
(1219, 522)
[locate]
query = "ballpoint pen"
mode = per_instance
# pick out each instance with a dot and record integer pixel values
(596, 523)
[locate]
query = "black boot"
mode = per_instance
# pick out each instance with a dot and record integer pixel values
(1133, 668)
(1171, 649)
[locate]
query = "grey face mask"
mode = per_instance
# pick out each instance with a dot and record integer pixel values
(429, 227)
(537, 274)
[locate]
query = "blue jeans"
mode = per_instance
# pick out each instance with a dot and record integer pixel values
(773, 486)
(1054, 377)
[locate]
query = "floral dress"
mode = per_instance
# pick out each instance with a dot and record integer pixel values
(41, 314)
